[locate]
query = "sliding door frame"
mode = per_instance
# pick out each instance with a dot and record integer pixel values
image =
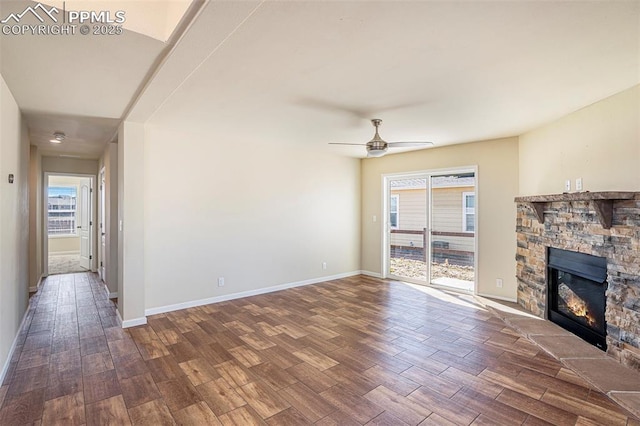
(385, 237)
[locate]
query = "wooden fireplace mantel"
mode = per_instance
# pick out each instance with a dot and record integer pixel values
(602, 203)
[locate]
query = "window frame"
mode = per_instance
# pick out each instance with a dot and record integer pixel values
(466, 212)
(397, 212)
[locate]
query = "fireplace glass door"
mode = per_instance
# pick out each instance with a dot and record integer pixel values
(580, 300)
(577, 294)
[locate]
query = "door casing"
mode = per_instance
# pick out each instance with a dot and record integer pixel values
(45, 223)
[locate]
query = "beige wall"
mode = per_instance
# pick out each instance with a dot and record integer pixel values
(497, 185)
(14, 222)
(131, 209)
(599, 143)
(69, 165)
(64, 245)
(256, 214)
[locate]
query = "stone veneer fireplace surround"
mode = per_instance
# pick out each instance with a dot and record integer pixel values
(604, 224)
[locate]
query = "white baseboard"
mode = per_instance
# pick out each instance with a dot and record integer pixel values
(132, 322)
(63, 253)
(5, 367)
(35, 288)
(491, 296)
(224, 298)
(110, 294)
(371, 274)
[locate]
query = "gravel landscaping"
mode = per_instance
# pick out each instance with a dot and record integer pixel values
(417, 269)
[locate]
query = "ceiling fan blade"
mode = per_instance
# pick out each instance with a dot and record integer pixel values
(407, 144)
(338, 143)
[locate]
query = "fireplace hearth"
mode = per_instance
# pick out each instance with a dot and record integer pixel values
(576, 294)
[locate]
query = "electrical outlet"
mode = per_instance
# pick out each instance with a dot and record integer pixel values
(220, 281)
(324, 265)
(579, 184)
(499, 282)
(375, 218)
(567, 185)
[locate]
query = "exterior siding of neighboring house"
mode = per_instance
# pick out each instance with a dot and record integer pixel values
(447, 216)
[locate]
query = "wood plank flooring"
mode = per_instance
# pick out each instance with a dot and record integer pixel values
(347, 352)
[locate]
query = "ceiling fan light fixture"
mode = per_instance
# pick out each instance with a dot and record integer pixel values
(58, 137)
(376, 152)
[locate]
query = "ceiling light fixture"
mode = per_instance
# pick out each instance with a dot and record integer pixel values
(376, 151)
(58, 137)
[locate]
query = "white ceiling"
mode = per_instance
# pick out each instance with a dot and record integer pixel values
(80, 85)
(313, 72)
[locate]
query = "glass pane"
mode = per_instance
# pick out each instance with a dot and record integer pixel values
(470, 222)
(470, 201)
(408, 220)
(452, 230)
(61, 216)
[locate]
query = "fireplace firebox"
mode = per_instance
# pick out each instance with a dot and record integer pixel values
(576, 288)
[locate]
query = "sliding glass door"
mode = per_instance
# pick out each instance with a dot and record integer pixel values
(430, 232)
(452, 231)
(407, 228)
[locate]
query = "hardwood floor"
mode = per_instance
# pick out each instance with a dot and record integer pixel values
(346, 352)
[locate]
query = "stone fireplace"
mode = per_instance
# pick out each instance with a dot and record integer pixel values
(599, 225)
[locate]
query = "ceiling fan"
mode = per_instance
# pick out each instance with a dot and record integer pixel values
(377, 146)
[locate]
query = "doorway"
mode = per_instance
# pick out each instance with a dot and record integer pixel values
(430, 232)
(68, 223)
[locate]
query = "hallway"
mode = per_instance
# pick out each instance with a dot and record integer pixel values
(63, 339)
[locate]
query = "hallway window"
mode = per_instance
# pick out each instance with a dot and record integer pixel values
(62, 210)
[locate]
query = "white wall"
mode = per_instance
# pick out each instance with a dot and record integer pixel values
(599, 143)
(14, 221)
(497, 185)
(256, 214)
